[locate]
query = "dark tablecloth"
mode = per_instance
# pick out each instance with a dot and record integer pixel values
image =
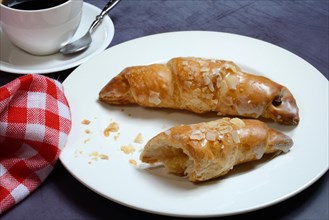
(300, 26)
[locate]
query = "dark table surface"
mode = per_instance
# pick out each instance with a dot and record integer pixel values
(300, 26)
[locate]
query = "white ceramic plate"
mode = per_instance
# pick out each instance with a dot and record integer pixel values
(15, 60)
(248, 187)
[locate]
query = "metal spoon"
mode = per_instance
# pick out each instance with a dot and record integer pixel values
(84, 42)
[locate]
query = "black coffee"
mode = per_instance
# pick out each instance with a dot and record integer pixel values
(32, 4)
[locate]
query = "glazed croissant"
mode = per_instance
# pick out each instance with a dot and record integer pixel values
(202, 85)
(211, 149)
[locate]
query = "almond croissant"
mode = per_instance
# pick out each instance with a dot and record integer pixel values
(202, 85)
(207, 150)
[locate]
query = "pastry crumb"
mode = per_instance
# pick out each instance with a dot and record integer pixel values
(85, 122)
(133, 162)
(103, 157)
(112, 127)
(87, 131)
(127, 149)
(86, 140)
(116, 136)
(95, 156)
(139, 138)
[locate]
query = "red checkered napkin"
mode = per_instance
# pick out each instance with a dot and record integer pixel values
(35, 121)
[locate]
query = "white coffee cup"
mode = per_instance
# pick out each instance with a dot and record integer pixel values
(42, 31)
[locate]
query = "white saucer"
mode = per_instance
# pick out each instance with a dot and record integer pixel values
(15, 60)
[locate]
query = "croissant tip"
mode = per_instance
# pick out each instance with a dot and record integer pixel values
(279, 141)
(295, 121)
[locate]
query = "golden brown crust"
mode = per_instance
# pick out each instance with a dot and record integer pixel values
(207, 150)
(202, 85)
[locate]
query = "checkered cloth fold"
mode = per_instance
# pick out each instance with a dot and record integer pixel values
(35, 121)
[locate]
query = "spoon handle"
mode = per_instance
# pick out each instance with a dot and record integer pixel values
(99, 18)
